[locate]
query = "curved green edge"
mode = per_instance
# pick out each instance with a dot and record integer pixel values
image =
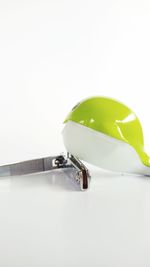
(113, 118)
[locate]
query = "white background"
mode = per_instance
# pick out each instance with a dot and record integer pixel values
(52, 55)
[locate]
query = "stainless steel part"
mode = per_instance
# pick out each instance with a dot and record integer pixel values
(82, 176)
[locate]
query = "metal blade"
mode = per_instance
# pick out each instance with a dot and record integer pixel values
(83, 176)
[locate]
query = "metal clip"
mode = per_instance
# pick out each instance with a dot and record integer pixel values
(47, 164)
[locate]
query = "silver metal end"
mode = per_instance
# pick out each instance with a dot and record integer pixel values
(83, 176)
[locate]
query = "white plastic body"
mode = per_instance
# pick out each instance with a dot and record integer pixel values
(102, 150)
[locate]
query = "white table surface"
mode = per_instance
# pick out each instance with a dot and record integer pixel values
(44, 221)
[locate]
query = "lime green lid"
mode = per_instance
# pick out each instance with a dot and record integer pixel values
(113, 118)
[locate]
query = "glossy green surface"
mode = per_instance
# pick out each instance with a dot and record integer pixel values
(113, 118)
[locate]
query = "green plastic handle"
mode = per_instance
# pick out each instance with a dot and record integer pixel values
(113, 118)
